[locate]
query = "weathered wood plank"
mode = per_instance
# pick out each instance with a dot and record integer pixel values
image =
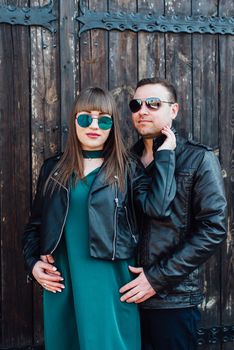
(16, 302)
(210, 308)
(45, 122)
(69, 61)
(123, 68)
(179, 64)
(205, 119)
(205, 79)
(94, 52)
(226, 126)
(151, 47)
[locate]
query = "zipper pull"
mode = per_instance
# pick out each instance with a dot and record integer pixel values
(116, 192)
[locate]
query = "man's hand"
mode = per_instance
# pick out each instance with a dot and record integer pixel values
(139, 289)
(170, 140)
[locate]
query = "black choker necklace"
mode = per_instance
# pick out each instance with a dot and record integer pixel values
(93, 154)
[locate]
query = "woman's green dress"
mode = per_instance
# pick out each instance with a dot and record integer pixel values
(88, 313)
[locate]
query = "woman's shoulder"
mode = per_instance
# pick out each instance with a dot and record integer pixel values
(53, 160)
(50, 163)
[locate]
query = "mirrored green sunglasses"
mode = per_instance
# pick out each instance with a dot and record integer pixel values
(85, 120)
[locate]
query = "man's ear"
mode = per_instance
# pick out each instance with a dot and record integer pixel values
(174, 110)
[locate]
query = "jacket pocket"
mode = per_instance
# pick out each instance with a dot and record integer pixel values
(182, 200)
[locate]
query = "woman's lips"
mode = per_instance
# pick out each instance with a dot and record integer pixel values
(92, 135)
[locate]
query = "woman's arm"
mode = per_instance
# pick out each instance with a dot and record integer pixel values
(31, 235)
(39, 267)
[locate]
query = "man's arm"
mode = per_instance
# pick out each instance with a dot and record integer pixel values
(208, 228)
(208, 225)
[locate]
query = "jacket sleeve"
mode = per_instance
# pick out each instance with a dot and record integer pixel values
(155, 197)
(31, 235)
(208, 228)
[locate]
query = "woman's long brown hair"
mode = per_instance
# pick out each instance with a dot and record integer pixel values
(115, 154)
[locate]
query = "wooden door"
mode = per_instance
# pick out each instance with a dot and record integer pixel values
(45, 62)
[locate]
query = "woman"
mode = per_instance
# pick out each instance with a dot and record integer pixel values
(82, 233)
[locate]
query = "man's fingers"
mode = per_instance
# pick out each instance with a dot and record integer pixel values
(137, 290)
(133, 283)
(132, 297)
(141, 299)
(47, 258)
(129, 294)
(50, 269)
(48, 266)
(137, 296)
(50, 259)
(43, 258)
(129, 285)
(170, 141)
(145, 296)
(135, 269)
(52, 273)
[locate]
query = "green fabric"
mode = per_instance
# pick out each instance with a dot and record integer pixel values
(88, 314)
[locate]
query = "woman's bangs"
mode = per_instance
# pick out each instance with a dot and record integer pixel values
(95, 102)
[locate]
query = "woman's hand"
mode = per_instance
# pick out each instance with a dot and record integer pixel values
(47, 275)
(170, 141)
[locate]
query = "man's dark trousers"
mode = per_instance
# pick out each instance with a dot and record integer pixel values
(169, 329)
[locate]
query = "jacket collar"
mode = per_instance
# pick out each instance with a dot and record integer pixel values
(99, 181)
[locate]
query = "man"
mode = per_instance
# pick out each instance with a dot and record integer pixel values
(173, 249)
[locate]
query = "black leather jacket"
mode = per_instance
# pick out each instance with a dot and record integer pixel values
(113, 233)
(173, 248)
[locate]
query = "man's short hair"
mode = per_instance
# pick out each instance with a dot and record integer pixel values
(156, 80)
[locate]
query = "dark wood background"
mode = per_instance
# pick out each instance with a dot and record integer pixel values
(41, 73)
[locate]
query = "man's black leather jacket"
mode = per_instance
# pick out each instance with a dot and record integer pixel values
(113, 233)
(173, 248)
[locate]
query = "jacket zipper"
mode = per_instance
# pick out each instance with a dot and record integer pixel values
(63, 220)
(115, 220)
(133, 236)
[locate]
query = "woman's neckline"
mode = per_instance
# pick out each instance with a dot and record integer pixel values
(92, 154)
